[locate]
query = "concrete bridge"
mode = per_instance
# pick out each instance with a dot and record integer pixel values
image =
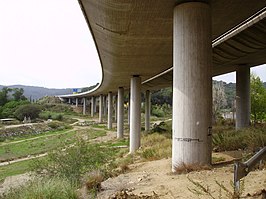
(151, 44)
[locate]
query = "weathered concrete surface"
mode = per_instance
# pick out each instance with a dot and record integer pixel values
(243, 106)
(135, 114)
(192, 85)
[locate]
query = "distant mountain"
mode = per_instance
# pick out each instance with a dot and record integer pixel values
(35, 92)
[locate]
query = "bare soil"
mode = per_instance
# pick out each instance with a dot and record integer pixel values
(154, 179)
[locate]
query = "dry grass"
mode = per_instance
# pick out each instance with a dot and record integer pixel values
(187, 168)
(156, 146)
(94, 180)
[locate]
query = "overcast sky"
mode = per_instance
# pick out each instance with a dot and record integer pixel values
(47, 43)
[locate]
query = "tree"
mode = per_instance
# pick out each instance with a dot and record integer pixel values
(258, 99)
(218, 98)
(28, 110)
(4, 95)
(18, 94)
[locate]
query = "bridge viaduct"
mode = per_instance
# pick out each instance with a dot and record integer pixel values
(150, 44)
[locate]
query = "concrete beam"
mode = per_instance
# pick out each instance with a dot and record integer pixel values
(135, 113)
(110, 110)
(121, 112)
(243, 107)
(147, 110)
(192, 84)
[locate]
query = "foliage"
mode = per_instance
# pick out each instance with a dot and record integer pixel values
(250, 138)
(28, 110)
(161, 110)
(4, 95)
(162, 96)
(51, 115)
(230, 93)
(18, 94)
(258, 99)
(53, 188)
(74, 162)
(10, 107)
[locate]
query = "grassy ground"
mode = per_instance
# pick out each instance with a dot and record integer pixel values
(43, 143)
(15, 169)
(89, 164)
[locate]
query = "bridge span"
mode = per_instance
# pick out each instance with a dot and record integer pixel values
(151, 44)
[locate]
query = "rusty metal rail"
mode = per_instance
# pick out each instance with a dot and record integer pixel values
(241, 169)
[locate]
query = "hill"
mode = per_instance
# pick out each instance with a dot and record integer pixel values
(35, 92)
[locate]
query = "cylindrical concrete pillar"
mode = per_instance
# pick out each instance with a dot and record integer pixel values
(69, 100)
(104, 105)
(120, 115)
(135, 113)
(147, 110)
(84, 106)
(115, 107)
(101, 109)
(77, 102)
(110, 110)
(243, 107)
(192, 84)
(128, 109)
(92, 106)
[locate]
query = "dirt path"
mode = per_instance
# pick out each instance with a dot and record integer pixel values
(18, 125)
(155, 177)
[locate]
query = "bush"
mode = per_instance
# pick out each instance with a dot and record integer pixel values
(9, 108)
(51, 115)
(54, 188)
(161, 110)
(28, 110)
(250, 138)
(74, 162)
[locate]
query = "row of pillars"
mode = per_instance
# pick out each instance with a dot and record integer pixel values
(192, 89)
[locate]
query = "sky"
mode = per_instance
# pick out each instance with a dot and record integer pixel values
(47, 43)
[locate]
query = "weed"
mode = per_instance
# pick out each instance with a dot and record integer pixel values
(94, 180)
(200, 189)
(74, 161)
(156, 146)
(54, 188)
(249, 138)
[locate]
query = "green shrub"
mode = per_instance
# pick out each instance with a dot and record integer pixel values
(249, 138)
(51, 115)
(9, 108)
(157, 111)
(54, 188)
(28, 110)
(74, 162)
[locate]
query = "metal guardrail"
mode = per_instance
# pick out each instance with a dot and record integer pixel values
(241, 169)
